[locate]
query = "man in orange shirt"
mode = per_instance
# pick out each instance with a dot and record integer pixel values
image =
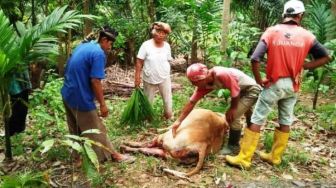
(287, 45)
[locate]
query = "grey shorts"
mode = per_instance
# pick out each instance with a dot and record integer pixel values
(280, 93)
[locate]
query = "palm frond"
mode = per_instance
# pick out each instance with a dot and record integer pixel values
(58, 21)
(137, 110)
(7, 36)
(321, 21)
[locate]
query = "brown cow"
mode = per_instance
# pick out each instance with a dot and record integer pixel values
(201, 133)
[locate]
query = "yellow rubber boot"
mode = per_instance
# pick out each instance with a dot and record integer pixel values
(247, 147)
(279, 145)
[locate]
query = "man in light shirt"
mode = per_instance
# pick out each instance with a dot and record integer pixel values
(153, 61)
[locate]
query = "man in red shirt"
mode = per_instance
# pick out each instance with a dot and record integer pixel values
(244, 93)
(287, 45)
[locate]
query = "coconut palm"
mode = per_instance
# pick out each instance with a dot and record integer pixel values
(18, 49)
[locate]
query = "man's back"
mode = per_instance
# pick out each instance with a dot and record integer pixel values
(287, 48)
(86, 62)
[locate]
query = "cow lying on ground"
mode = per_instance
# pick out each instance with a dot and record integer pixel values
(200, 134)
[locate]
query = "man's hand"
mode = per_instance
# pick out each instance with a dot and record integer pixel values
(230, 115)
(103, 110)
(137, 82)
(138, 67)
(175, 126)
(264, 83)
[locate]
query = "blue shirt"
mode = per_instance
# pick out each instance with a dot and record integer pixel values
(87, 61)
(20, 82)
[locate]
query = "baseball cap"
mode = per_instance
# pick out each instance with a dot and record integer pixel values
(196, 72)
(293, 7)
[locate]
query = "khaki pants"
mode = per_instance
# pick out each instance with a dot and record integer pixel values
(79, 122)
(248, 97)
(165, 92)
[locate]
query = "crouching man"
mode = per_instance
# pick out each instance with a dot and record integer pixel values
(244, 93)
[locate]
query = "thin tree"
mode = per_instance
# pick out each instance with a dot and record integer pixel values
(225, 26)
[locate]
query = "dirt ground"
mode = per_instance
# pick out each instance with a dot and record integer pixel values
(311, 160)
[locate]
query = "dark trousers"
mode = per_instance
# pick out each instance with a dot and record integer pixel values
(17, 122)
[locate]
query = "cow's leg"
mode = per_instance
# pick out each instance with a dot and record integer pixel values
(152, 144)
(156, 152)
(135, 144)
(201, 157)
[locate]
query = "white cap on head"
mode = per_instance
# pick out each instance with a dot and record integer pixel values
(293, 7)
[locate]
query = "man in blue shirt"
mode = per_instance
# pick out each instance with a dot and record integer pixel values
(82, 85)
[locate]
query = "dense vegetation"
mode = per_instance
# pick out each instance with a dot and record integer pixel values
(40, 35)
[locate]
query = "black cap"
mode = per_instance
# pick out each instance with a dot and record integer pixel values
(108, 32)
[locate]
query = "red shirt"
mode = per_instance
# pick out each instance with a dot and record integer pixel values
(226, 78)
(287, 48)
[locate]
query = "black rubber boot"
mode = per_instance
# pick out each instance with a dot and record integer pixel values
(233, 143)
(234, 137)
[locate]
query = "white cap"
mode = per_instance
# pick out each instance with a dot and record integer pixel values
(293, 7)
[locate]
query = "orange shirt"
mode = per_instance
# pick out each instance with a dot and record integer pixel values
(287, 48)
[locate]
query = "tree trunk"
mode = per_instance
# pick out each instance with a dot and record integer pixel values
(46, 10)
(151, 10)
(333, 8)
(64, 53)
(194, 46)
(130, 52)
(5, 113)
(87, 22)
(8, 153)
(225, 26)
(37, 70)
(61, 58)
(61, 51)
(317, 88)
(33, 14)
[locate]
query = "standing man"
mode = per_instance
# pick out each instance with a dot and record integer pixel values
(287, 45)
(82, 85)
(153, 60)
(244, 93)
(19, 92)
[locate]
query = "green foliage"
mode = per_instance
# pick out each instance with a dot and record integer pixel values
(82, 146)
(50, 97)
(295, 156)
(272, 116)
(262, 13)
(275, 180)
(225, 93)
(24, 180)
(194, 19)
(297, 134)
(331, 67)
(242, 37)
(128, 18)
(320, 20)
(268, 140)
(18, 49)
(327, 116)
(138, 109)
